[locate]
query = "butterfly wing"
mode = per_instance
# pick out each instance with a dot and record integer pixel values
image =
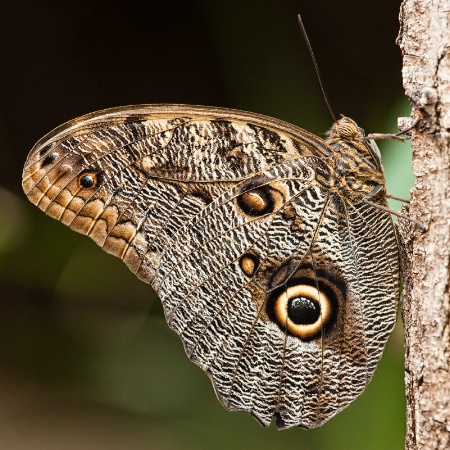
(283, 292)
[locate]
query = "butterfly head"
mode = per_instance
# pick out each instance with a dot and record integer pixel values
(345, 129)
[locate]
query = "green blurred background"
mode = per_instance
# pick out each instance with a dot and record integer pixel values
(86, 359)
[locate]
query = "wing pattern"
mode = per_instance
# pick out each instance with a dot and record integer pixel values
(280, 279)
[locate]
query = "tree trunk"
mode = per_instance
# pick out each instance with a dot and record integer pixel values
(425, 43)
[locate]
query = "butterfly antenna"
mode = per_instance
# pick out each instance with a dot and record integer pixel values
(420, 225)
(316, 66)
(399, 199)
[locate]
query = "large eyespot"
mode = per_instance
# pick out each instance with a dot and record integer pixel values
(88, 180)
(307, 305)
(249, 264)
(303, 310)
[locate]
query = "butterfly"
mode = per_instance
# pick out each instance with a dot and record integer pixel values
(270, 248)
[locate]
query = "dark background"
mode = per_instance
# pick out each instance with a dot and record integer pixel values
(86, 360)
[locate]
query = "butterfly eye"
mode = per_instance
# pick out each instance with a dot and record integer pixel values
(348, 129)
(303, 310)
(87, 180)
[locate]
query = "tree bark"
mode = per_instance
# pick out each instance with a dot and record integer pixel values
(425, 43)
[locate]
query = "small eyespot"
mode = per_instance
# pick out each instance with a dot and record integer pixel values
(87, 180)
(49, 159)
(249, 264)
(257, 202)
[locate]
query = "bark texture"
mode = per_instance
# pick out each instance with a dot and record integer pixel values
(425, 43)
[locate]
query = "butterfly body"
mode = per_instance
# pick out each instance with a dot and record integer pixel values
(279, 277)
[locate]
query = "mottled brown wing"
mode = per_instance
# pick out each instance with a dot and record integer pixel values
(283, 292)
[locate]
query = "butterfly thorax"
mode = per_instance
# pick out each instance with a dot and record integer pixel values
(356, 169)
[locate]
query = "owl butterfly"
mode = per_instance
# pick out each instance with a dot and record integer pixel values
(267, 245)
